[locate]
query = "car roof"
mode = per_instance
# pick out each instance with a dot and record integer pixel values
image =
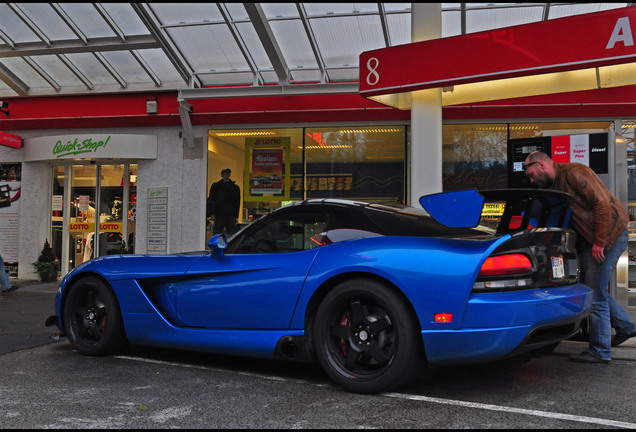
(383, 218)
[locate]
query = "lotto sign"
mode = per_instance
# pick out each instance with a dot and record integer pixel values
(554, 45)
(90, 227)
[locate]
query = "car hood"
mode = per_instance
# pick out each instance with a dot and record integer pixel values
(520, 208)
(118, 267)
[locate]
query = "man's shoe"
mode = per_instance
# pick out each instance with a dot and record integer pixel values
(586, 357)
(11, 288)
(619, 338)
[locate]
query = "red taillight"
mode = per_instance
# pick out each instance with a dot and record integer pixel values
(506, 265)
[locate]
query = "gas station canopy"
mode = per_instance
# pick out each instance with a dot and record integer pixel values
(89, 48)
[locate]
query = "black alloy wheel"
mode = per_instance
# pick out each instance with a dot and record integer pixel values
(92, 318)
(366, 338)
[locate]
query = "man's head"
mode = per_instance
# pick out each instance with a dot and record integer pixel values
(540, 169)
(226, 173)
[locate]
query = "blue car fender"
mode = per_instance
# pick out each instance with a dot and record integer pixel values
(434, 274)
(116, 270)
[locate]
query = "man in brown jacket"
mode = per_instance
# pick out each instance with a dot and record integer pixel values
(600, 221)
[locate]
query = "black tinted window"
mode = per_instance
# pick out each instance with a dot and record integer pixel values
(286, 233)
(409, 221)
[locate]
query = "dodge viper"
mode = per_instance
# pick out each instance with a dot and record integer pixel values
(372, 292)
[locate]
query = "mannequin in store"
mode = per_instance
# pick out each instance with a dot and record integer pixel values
(88, 247)
(224, 202)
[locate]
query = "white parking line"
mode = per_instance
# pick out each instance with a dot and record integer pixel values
(552, 415)
(558, 416)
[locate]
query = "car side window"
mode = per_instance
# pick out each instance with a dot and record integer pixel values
(288, 233)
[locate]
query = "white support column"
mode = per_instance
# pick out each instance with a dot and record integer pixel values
(425, 152)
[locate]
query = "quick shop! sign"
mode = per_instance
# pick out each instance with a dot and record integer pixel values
(93, 147)
(76, 147)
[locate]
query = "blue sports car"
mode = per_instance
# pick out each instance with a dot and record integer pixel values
(371, 291)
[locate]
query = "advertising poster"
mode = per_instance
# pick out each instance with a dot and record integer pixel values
(588, 149)
(580, 149)
(267, 169)
(561, 149)
(10, 180)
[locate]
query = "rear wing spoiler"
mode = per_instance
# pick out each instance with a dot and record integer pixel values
(516, 209)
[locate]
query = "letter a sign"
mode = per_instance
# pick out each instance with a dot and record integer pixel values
(622, 33)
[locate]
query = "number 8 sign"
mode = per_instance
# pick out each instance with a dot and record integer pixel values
(373, 77)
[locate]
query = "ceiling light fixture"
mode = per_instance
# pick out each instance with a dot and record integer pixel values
(312, 147)
(231, 134)
(505, 128)
(372, 130)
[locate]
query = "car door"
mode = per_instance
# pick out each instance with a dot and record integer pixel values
(258, 285)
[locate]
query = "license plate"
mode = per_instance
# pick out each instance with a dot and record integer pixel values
(557, 268)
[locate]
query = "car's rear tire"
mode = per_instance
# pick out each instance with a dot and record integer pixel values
(366, 337)
(92, 318)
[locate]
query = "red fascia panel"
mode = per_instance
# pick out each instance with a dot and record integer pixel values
(103, 110)
(129, 109)
(291, 109)
(85, 106)
(556, 45)
(614, 102)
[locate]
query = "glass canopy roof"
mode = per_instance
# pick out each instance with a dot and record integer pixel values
(89, 48)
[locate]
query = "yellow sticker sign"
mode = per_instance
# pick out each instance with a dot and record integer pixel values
(90, 227)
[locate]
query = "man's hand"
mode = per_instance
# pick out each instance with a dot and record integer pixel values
(597, 253)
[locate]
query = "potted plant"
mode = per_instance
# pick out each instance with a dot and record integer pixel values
(47, 264)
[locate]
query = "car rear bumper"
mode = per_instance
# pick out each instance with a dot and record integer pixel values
(499, 325)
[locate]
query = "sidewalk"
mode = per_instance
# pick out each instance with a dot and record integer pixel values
(35, 285)
(22, 315)
(23, 312)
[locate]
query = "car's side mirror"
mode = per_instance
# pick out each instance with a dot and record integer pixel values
(217, 243)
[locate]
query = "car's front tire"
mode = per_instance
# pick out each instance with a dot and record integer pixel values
(92, 318)
(366, 338)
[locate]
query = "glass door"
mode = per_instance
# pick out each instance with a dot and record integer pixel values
(130, 196)
(111, 210)
(81, 226)
(57, 214)
(95, 209)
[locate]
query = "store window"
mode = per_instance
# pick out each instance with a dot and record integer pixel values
(364, 163)
(261, 161)
(628, 132)
(274, 167)
(475, 155)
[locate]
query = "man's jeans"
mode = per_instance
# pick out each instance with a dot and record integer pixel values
(5, 284)
(606, 312)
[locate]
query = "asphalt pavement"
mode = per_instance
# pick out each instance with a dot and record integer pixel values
(24, 311)
(44, 385)
(22, 315)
